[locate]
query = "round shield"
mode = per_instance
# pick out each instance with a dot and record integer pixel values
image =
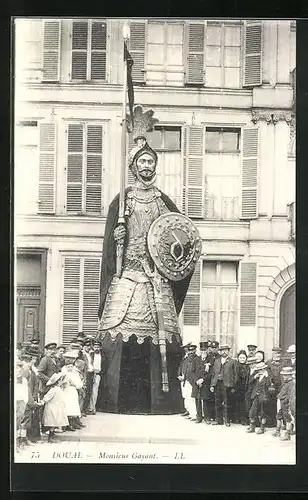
(175, 245)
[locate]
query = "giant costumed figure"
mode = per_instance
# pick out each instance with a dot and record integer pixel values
(149, 256)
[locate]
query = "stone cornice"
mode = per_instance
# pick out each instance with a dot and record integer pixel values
(272, 116)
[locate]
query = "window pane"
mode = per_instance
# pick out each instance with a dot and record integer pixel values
(209, 273)
(75, 138)
(175, 33)
(233, 36)
(98, 36)
(156, 139)
(94, 143)
(230, 141)
(79, 65)
(232, 57)
(172, 139)
(155, 33)
(213, 57)
(98, 65)
(174, 55)
(228, 273)
(213, 77)
(232, 78)
(80, 35)
(155, 54)
(212, 141)
(213, 35)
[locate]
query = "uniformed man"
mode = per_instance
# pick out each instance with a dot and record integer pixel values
(182, 372)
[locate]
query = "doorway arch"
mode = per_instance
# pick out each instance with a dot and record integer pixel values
(287, 318)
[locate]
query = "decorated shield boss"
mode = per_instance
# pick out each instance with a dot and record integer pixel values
(174, 245)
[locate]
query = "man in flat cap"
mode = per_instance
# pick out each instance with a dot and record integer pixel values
(223, 384)
(47, 366)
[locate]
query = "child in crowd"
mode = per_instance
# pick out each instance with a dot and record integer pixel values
(284, 404)
(71, 383)
(259, 398)
(54, 415)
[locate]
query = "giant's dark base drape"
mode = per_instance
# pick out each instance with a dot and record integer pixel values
(133, 380)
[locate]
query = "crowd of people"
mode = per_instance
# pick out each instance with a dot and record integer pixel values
(56, 389)
(219, 389)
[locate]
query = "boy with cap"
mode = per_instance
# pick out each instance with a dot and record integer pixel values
(223, 385)
(259, 397)
(283, 404)
(274, 366)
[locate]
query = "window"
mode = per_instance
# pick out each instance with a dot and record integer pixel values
(166, 139)
(222, 173)
(219, 299)
(80, 297)
(89, 39)
(165, 53)
(223, 55)
(84, 168)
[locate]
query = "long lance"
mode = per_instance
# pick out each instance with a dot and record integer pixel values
(121, 220)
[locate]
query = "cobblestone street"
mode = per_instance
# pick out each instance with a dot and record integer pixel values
(109, 438)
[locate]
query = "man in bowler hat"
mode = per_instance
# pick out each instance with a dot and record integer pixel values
(223, 384)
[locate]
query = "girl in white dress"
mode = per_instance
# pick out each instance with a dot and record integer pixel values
(54, 415)
(71, 383)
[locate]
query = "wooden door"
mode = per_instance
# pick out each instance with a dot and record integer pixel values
(28, 317)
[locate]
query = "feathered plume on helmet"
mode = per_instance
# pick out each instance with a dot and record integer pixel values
(143, 122)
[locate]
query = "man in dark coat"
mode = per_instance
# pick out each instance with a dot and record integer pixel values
(259, 398)
(47, 366)
(192, 375)
(203, 376)
(223, 384)
(182, 372)
(129, 332)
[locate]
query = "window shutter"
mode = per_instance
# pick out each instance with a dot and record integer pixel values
(98, 50)
(193, 178)
(192, 300)
(250, 161)
(79, 50)
(51, 51)
(74, 168)
(94, 169)
(90, 295)
(137, 50)
(71, 298)
(47, 167)
(248, 294)
(253, 54)
(195, 53)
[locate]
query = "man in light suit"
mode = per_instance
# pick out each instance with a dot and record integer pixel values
(99, 363)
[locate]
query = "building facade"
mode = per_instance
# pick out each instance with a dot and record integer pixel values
(224, 95)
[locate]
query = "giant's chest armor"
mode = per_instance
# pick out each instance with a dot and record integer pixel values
(130, 306)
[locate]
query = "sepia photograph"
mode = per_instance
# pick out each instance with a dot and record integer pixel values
(154, 241)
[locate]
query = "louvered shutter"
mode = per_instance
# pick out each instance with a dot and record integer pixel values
(91, 279)
(193, 177)
(98, 50)
(253, 54)
(75, 154)
(94, 169)
(51, 51)
(79, 50)
(250, 165)
(248, 294)
(195, 54)
(137, 50)
(47, 167)
(71, 298)
(130, 145)
(192, 300)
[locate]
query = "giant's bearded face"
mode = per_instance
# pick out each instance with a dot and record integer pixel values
(146, 168)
